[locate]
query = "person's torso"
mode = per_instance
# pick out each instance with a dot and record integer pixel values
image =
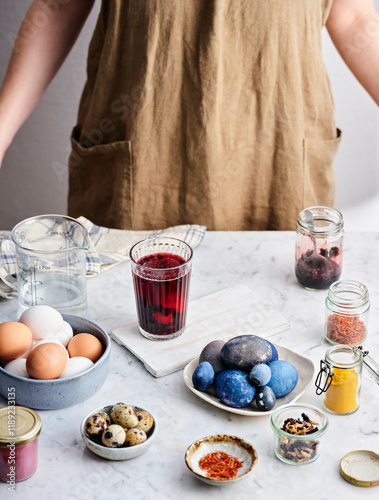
(216, 98)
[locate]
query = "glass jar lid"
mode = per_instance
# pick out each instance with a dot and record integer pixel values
(344, 356)
(348, 295)
(18, 425)
(326, 221)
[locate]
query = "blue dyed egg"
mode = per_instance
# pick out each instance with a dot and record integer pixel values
(245, 351)
(284, 377)
(275, 355)
(265, 398)
(203, 376)
(234, 389)
(212, 354)
(260, 375)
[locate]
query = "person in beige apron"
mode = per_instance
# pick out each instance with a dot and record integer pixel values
(215, 112)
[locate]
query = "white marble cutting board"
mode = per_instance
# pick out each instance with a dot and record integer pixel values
(222, 315)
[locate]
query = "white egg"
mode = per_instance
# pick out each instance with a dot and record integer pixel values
(26, 353)
(76, 365)
(49, 341)
(65, 334)
(17, 367)
(44, 321)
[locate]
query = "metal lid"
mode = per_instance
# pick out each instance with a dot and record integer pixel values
(360, 467)
(18, 425)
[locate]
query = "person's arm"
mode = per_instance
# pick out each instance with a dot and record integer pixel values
(353, 26)
(45, 38)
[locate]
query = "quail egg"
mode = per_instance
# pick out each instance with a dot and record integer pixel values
(106, 416)
(145, 420)
(134, 436)
(113, 409)
(125, 416)
(96, 424)
(113, 436)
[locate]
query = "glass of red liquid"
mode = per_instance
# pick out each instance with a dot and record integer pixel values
(161, 270)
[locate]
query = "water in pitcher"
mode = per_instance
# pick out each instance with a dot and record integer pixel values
(66, 293)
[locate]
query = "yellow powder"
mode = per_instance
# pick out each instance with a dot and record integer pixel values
(341, 397)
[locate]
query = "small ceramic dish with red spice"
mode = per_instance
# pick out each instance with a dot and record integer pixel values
(221, 459)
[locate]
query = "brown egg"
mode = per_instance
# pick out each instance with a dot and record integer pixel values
(15, 339)
(87, 345)
(46, 361)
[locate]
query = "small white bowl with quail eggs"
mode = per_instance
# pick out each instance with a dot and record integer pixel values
(119, 432)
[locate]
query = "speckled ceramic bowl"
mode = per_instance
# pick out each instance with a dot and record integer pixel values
(123, 453)
(64, 392)
(232, 445)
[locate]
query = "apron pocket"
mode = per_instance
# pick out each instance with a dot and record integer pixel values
(319, 178)
(100, 182)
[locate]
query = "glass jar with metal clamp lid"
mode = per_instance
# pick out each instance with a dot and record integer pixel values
(340, 378)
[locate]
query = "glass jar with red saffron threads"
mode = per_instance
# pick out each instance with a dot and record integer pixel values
(347, 308)
(19, 431)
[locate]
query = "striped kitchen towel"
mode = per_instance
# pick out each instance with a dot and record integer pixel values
(107, 248)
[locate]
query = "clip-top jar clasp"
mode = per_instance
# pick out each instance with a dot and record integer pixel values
(370, 364)
(324, 377)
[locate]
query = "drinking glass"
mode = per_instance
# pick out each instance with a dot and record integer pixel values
(161, 270)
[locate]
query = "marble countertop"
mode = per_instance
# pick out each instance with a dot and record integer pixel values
(265, 262)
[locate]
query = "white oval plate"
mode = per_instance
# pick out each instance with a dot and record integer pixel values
(304, 367)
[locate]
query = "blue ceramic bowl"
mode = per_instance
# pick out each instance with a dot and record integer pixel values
(64, 392)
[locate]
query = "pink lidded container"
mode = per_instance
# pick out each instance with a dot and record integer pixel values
(19, 431)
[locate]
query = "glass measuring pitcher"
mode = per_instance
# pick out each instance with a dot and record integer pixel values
(51, 262)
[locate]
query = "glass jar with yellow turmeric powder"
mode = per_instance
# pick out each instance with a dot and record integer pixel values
(342, 370)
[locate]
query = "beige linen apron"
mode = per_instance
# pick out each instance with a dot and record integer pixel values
(215, 112)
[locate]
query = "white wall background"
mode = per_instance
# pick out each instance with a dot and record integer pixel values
(31, 185)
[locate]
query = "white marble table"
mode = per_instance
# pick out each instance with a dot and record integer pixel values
(264, 261)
